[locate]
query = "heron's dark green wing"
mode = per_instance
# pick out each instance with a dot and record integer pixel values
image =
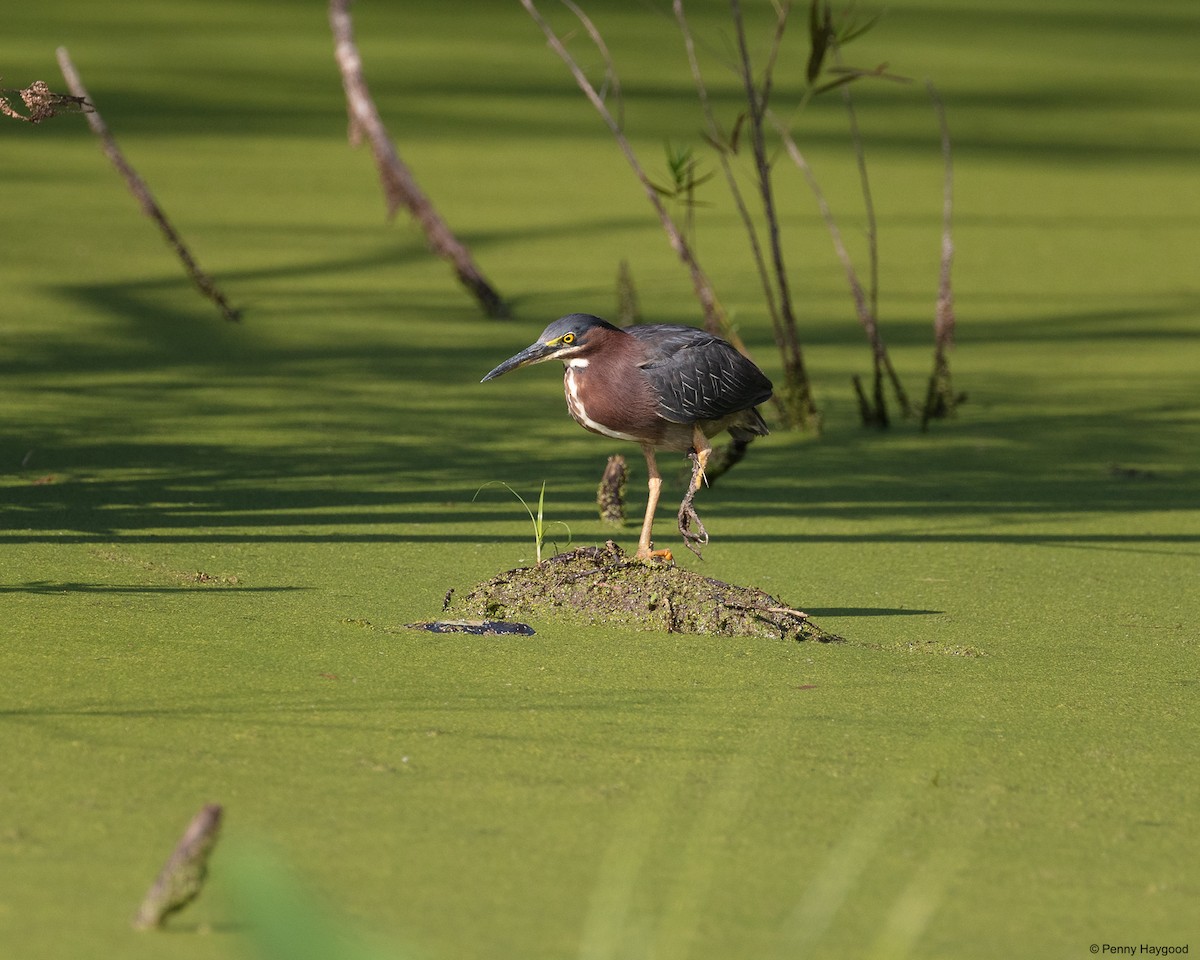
(697, 376)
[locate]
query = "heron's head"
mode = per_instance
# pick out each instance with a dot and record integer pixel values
(567, 338)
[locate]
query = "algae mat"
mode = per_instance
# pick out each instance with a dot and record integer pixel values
(200, 520)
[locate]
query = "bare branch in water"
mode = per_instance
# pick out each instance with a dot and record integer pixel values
(399, 185)
(940, 398)
(141, 192)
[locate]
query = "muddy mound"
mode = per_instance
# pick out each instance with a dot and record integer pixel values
(604, 586)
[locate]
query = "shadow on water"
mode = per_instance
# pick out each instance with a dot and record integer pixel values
(869, 612)
(168, 424)
(369, 444)
(53, 588)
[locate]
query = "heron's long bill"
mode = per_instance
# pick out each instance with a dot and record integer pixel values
(534, 353)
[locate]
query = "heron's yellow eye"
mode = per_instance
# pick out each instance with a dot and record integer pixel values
(568, 338)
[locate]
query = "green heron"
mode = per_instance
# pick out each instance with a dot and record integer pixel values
(660, 385)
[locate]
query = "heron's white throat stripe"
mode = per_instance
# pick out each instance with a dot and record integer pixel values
(577, 409)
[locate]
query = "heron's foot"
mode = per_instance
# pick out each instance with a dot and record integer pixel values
(691, 527)
(654, 556)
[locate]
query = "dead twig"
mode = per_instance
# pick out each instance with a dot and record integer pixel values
(881, 360)
(862, 307)
(141, 192)
(629, 310)
(42, 103)
(940, 399)
(399, 185)
(182, 876)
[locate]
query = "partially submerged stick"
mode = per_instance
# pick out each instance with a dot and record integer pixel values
(399, 186)
(862, 307)
(629, 310)
(137, 186)
(610, 494)
(182, 876)
(940, 399)
(876, 415)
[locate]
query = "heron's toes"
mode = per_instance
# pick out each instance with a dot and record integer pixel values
(691, 527)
